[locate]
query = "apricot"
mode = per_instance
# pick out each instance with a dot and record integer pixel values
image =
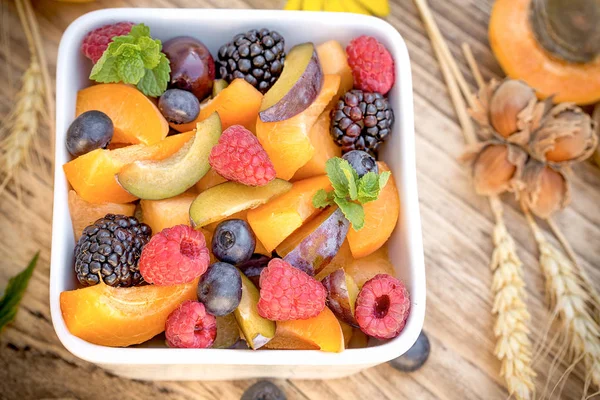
(120, 317)
(274, 221)
(237, 104)
(321, 332)
(161, 214)
(287, 142)
(381, 217)
(84, 213)
(334, 60)
(92, 175)
(135, 117)
(365, 268)
(325, 148)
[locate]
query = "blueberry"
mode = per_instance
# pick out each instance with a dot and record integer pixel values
(361, 161)
(263, 390)
(233, 241)
(90, 131)
(179, 106)
(220, 289)
(254, 266)
(415, 357)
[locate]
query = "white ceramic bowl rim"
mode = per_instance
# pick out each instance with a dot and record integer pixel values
(409, 203)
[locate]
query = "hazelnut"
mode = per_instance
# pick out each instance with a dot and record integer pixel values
(546, 190)
(567, 134)
(510, 98)
(496, 168)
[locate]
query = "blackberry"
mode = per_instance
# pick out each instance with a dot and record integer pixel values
(109, 249)
(361, 121)
(256, 56)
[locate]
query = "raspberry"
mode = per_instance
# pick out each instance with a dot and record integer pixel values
(239, 157)
(96, 41)
(382, 307)
(189, 326)
(287, 293)
(174, 256)
(372, 65)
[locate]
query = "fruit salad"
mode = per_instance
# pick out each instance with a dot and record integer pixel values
(233, 199)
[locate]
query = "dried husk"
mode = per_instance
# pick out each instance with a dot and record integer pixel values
(545, 189)
(497, 167)
(508, 110)
(567, 134)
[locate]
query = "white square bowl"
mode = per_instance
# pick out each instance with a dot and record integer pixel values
(215, 27)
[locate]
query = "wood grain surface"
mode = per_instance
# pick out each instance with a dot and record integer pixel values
(456, 227)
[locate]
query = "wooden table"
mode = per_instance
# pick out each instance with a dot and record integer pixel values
(456, 229)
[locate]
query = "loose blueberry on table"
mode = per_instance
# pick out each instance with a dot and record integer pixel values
(262, 209)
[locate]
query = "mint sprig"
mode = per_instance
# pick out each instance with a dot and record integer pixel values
(349, 191)
(135, 59)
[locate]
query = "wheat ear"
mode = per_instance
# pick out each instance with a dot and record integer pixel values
(513, 347)
(573, 306)
(18, 132)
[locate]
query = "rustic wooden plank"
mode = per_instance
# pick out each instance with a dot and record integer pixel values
(456, 231)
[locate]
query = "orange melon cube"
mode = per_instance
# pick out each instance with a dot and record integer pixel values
(325, 148)
(274, 221)
(237, 104)
(92, 175)
(287, 142)
(381, 217)
(161, 214)
(135, 117)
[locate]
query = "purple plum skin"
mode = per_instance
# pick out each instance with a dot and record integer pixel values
(319, 247)
(338, 299)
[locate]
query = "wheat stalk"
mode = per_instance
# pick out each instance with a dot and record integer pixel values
(33, 106)
(20, 128)
(573, 306)
(513, 347)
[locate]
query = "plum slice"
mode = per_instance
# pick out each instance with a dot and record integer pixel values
(157, 180)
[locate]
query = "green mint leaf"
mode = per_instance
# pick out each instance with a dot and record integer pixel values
(351, 178)
(119, 40)
(368, 188)
(135, 59)
(14, 292)
(154, 82)
(105, 70)
(322, 198)
(354, 212)
(130, 65)
(338, 179)
(139, 30)
(383, 179)
(150, 52)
